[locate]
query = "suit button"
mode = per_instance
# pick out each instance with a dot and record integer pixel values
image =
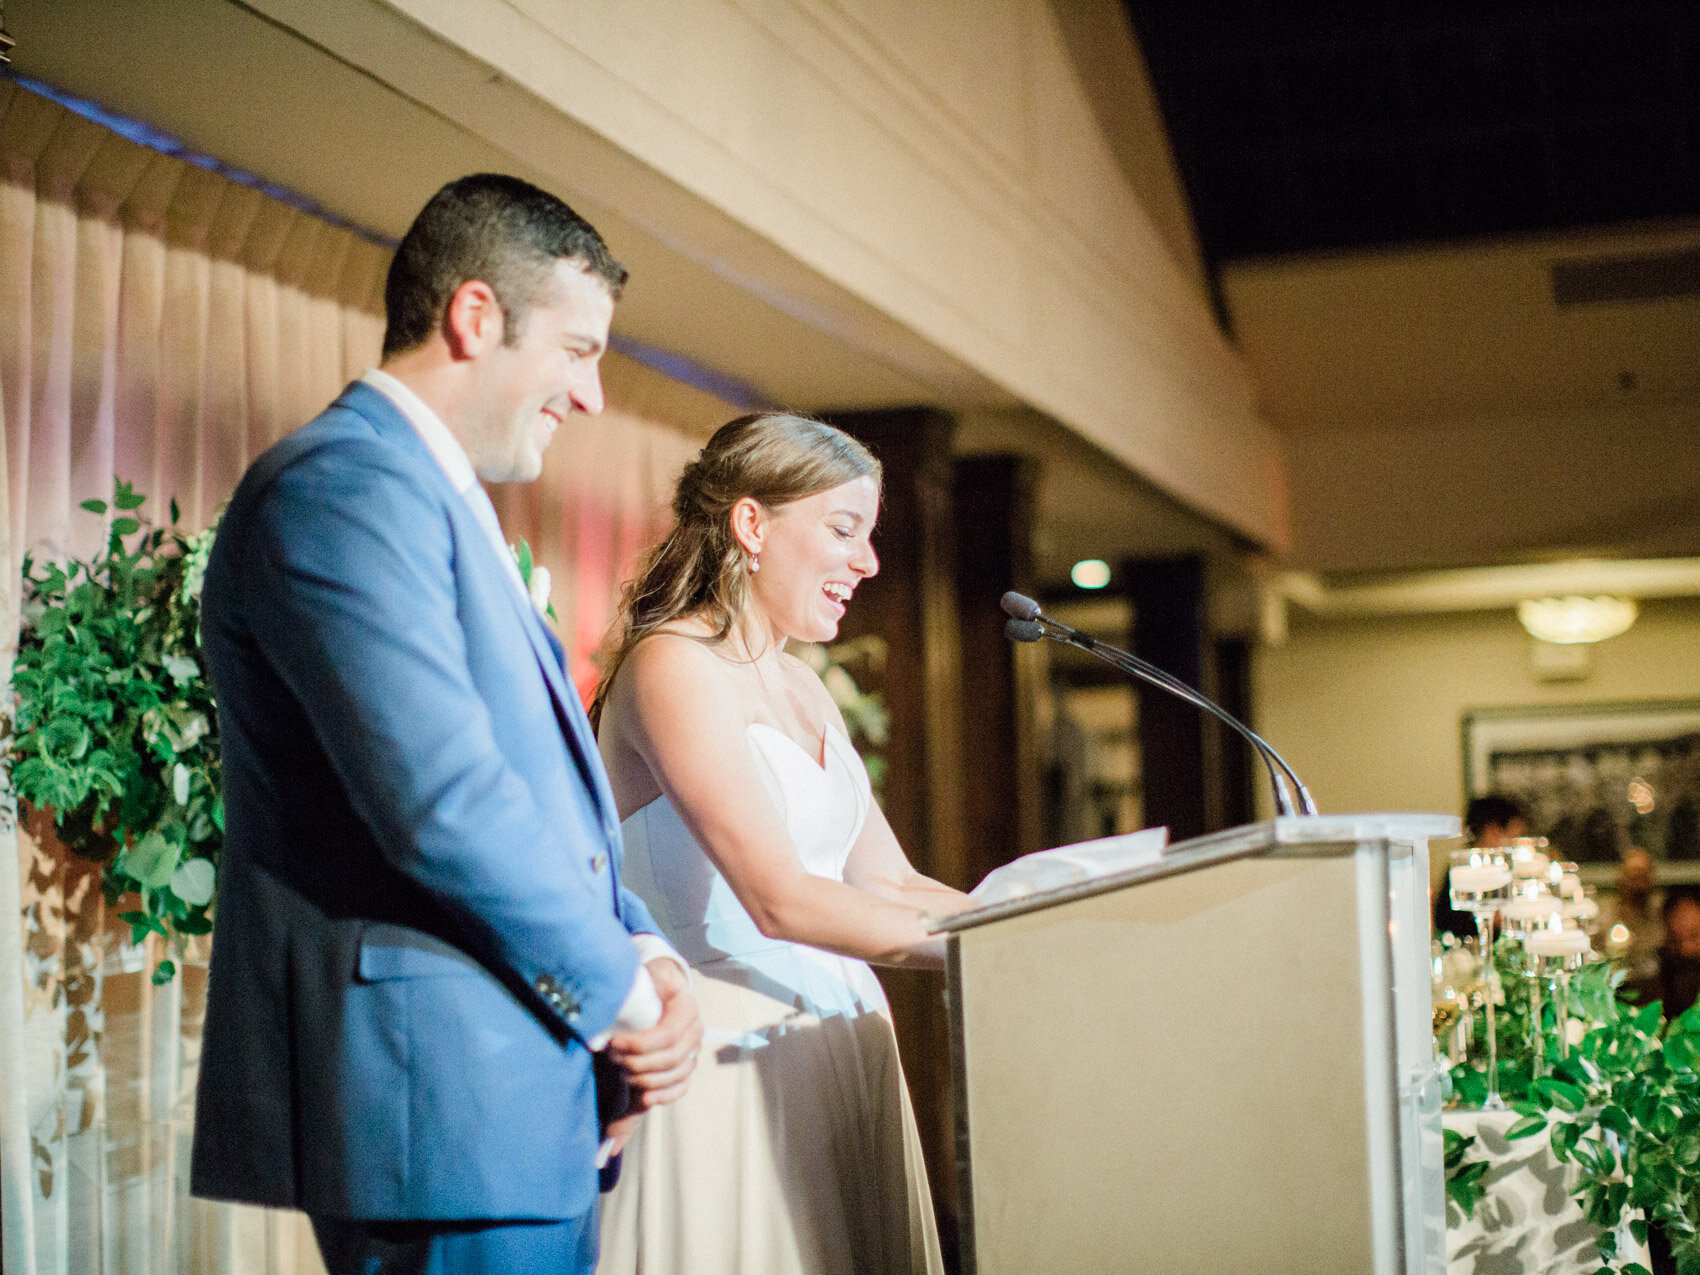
(599, 862)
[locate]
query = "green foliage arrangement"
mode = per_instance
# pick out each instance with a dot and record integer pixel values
(114, 728)
(1624, 1106)
(1463, 1177)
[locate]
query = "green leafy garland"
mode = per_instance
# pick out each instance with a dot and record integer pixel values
(114, 728)
(1623, 1106)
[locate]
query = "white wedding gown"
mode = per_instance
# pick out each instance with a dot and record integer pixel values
(796, 1148)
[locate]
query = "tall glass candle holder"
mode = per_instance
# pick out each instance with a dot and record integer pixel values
(1480, 882)
(1560, 952)
(1524, 913)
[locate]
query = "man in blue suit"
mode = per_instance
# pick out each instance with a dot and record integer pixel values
(422, 943)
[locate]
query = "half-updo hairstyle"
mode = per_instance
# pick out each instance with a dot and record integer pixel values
(700, 569)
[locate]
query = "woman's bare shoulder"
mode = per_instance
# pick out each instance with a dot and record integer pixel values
(669, 653)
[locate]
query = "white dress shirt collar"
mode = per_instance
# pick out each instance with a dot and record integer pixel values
(428, 425)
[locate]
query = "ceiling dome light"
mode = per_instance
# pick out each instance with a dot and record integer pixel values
(1568, 621)
(1090, 573)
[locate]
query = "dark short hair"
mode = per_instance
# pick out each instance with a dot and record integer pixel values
(497, 229)
(1493, 811)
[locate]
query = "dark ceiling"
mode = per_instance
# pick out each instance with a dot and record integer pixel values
(1346, 123)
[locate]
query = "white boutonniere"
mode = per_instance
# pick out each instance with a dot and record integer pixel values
(536, 580)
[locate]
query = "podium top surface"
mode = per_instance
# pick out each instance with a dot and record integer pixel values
(1289, 835)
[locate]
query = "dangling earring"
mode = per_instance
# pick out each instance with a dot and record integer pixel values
(755, 563)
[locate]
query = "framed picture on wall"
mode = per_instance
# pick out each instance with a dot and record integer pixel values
(1596, 777)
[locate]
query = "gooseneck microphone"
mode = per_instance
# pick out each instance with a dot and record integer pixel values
(1028, 623)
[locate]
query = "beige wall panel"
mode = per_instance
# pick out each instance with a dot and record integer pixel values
(1075, 176)
(1369, 711)
(817, 139)
(966, 55)
(1614, 481)
(1350, 341)
(1176, 410)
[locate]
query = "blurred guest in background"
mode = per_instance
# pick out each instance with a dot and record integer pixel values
(1679, 959)
(1489, 821)
(1636, 944)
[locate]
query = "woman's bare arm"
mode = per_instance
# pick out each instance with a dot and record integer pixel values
(679, 710)
(878, 864)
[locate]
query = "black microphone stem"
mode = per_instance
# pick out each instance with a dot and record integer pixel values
(1029, 623)
(1271, 759)
(1129, 663)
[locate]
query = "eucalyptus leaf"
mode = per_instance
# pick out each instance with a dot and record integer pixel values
(193, 882)
(150, 861)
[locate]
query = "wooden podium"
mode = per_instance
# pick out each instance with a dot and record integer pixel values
(1219, 1062)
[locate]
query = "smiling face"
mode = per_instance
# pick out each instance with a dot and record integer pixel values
(813, 552)
(527, 387)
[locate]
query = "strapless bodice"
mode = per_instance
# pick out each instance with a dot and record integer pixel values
(823, 807)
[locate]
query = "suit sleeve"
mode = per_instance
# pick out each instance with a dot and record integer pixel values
(347, 579)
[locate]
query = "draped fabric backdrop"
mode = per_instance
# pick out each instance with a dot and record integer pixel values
(164, 323)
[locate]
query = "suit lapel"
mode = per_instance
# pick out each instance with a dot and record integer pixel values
(574, 724)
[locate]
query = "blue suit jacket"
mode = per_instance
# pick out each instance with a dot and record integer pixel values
(420, 919)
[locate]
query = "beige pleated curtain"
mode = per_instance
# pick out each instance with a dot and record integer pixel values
(164, 323)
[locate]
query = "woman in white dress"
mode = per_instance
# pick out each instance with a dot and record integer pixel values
(751, 833)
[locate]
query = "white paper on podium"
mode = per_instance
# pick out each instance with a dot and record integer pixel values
(1068, 865)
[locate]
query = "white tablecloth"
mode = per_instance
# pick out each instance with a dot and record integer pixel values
(1526, 1222)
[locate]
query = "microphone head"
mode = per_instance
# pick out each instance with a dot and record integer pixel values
(1023, 630)
(1020, 607)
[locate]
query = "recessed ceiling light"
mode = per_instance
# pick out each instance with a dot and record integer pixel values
(1567, 621)
(1090, 573)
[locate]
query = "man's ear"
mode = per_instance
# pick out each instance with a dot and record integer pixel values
(473, 321)
(749, 523)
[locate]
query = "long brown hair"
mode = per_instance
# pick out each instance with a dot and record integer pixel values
(700, 569)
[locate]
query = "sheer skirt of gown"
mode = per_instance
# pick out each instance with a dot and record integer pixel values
(796, 1148)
